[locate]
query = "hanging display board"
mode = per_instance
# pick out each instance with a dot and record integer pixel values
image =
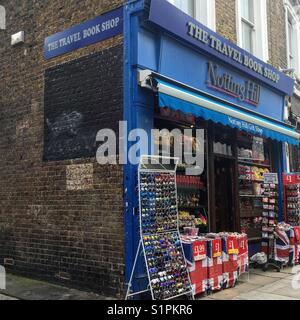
(270, 218)
(160, 239)
(292, 198)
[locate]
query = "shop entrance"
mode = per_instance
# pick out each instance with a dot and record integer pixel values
(224, 194)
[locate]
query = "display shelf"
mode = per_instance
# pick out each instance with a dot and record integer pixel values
(220, 155)
(254, 164)
(249, 216)
(250, 196)
(192, 208)
(173, 120)
(183, 167)
(260, 181)
(258, 239)
(190, 188)
(292, 204)
(159, 229)
(269, 222)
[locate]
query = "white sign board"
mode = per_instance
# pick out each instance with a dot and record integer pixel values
(271, 178)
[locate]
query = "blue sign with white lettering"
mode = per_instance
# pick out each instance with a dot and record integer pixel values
(167, 16)
(85, 34)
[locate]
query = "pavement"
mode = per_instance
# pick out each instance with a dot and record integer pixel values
(20, 288)
(268, 285)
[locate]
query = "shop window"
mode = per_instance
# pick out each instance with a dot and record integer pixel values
(224, 179)
(292, 29)
(294, 158)
(201, 10)
(192, 190)
(254, 160)
(252, 27)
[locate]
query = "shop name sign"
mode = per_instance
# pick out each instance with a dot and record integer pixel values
(243, 125)
(229, 51)
(249, 91)
(271, 178)
(85, 34)
(182, 26)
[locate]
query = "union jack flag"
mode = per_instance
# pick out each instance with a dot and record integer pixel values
(282, 246)
(243, 256)
(197, 263)
(215, 264)
(230, 261)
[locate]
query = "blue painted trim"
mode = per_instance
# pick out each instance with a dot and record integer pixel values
(280, 164)
(130, 199)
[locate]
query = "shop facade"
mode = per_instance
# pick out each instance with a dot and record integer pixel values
(183, 75)
(68, 219)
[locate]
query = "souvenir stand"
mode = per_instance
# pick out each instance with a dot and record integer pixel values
(270, 219)
(292, 198)
(160, 245)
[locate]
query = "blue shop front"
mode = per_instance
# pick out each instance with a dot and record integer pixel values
(180, 74)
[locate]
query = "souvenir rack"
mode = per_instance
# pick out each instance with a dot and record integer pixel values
(160, 245)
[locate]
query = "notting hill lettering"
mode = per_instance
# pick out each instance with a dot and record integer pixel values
(248, 91)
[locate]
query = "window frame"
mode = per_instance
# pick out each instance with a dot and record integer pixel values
(260, 29)
(292, 40)
(204, 11)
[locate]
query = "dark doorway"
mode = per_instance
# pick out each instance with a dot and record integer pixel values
(224, 194)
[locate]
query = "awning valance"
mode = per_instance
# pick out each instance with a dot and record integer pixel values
(178, 98)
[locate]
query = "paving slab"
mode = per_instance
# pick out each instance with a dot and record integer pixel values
(262, 280)
(271, 274)
(262, 296)
(28, 289)
(283, 288)
(269, 285)
(230, 294)
(6, 298)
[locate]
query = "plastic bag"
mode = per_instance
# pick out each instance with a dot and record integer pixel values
(260, 258)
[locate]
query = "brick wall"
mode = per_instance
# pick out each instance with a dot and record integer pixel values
(277, 33)
(226, 26)
(226, 19)
(59, 220)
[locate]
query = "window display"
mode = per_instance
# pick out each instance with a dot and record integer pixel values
(253, 163)
(292, 194)
(192, 191)
(292, 198)
(269, 217)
